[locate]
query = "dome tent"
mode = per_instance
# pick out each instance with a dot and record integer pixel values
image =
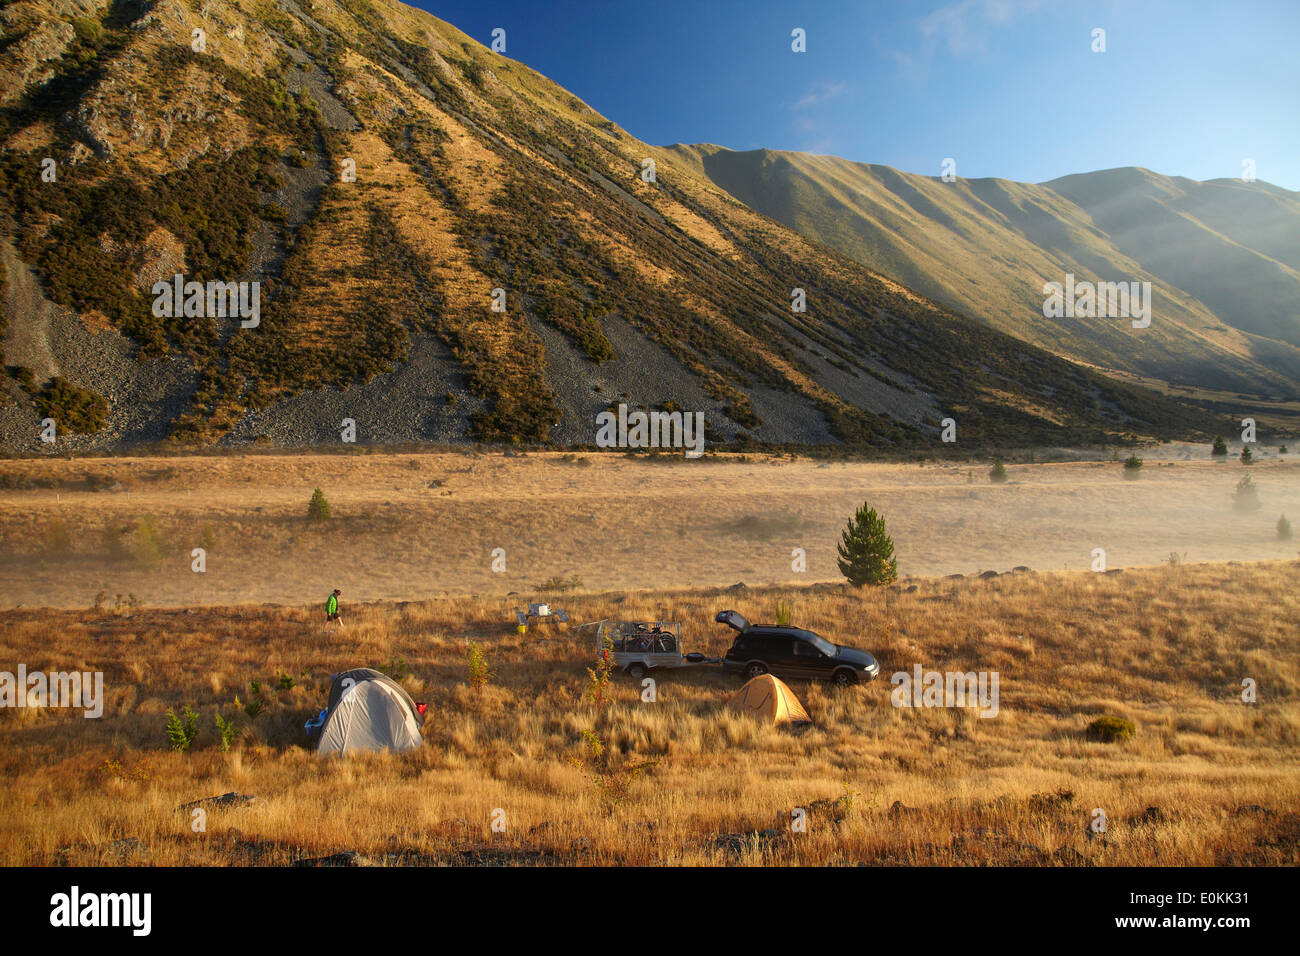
(368, 711)
(768, 698)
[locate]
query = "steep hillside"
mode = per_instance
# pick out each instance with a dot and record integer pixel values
(472, 173)
(1233, 245)
(1223, 257)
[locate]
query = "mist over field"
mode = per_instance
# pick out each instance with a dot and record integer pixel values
(414, 526)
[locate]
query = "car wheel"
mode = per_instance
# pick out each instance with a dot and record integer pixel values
(755, 670)
(845, 678)
(636, 671)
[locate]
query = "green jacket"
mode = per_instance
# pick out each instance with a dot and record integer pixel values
(332, 605)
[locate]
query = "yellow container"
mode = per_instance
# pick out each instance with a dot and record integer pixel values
(521, 628)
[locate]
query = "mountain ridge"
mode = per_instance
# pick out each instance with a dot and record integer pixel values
(470, 173)
(936, 237)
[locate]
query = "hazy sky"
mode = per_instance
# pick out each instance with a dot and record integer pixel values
(1008, 88)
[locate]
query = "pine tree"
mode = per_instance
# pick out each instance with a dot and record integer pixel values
(866, 551)
(1247, 497)
(1220, 446)
(319, 509)
(1283, 529)
(1246, 457)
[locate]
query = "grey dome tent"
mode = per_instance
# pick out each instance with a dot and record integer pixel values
(368, 711)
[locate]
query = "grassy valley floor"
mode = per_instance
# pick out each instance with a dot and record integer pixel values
(415, 526)
(1206, 780)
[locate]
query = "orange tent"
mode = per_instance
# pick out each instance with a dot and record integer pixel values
(770, 699)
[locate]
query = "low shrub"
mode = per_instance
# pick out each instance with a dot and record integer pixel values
(1109, 730)
(182, 731)
(477, 666)
(73, 408)
(147, 541)
(318, 509)
(1246, 498)
(229, 732)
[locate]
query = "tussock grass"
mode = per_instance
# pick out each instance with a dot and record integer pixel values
(1165, 647)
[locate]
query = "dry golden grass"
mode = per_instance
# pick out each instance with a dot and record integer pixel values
(1165, 647)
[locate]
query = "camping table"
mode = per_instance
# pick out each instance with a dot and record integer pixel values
(538, 613)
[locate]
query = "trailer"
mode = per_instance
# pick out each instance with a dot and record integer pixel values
(641, 646)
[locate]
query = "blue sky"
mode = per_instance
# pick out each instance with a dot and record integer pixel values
(1008, 88)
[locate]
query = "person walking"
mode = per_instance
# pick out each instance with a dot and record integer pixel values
(332, 608)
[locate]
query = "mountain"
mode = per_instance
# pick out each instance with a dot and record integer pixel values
(433, 242)
(1223, 257)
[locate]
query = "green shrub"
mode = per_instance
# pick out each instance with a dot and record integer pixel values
(73, 409)
(147, 541)
(477, 666)
(228, 731)
(319, 508)
(998, 473)
(274, 212)
(182, 732)
(1247, 458)
(784, 613)
(741, 411)
(1132, 467)
(256, 702)
(87, 31)
(25, 378)
(473, 71)
(866, 550)
(597, 347)
(1283, 529)
(1220, 447)
(1108, 730)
